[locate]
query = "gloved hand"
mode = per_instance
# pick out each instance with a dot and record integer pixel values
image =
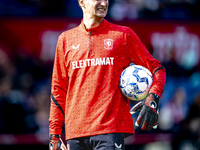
(148, 115)
(56, 142)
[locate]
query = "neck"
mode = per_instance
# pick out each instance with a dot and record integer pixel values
(91, 22)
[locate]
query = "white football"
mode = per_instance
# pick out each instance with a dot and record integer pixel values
(135, 82)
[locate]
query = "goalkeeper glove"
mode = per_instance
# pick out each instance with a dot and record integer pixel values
(148, 115)
(56, 142)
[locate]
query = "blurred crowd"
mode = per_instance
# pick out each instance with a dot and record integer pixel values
(154, 9)
(24, 94)
(119, 9)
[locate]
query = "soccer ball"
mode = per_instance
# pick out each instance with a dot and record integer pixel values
(135, 82)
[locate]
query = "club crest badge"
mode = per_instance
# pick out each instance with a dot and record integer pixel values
(108, 44)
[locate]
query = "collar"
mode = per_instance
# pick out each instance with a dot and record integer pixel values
(92, 31)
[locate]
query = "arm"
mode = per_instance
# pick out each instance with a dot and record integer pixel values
(58, 89)
(148, 116)
(139, 54)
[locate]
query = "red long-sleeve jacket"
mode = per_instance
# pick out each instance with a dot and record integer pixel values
(85, 83)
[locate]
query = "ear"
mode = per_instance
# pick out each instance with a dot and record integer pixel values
(82, 3)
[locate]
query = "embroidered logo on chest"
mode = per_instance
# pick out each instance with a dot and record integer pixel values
(75, 47)
(108, 44)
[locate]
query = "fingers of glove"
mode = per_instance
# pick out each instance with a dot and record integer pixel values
(148, 121)
(149, 127)
(144, 126)
(57, 145)
(155, 126)
(137, 107)
(153, 123)
(51, 146)
(150, 124)
(61, 145)
(140, 117)
(138, 121)
(145, 123)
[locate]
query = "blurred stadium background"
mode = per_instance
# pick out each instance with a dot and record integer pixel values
(29, 29)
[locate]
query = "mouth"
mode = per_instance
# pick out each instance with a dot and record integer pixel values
(101, 9)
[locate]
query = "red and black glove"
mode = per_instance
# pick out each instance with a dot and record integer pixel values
(56, 142)
(148, 116)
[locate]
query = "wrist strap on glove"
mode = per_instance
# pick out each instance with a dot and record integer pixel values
(152, 101)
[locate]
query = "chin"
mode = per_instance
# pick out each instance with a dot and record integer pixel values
(101, 15)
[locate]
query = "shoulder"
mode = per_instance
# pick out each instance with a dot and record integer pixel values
(69, 32)
(127, 31)
(119, 27)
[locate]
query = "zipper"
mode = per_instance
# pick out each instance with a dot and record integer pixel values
(90, 48)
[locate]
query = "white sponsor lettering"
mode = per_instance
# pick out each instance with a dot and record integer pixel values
(93, 62)
(108, 61)
(111, 60)
(81, 63)
(77, 65)
(102, 61)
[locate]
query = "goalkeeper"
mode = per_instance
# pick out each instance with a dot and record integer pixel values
(85, 96)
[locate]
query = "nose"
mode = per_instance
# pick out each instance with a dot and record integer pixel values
(104, 2)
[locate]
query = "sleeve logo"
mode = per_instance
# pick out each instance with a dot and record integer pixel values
(108, 44)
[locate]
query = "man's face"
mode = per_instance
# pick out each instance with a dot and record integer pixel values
(96, 8)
